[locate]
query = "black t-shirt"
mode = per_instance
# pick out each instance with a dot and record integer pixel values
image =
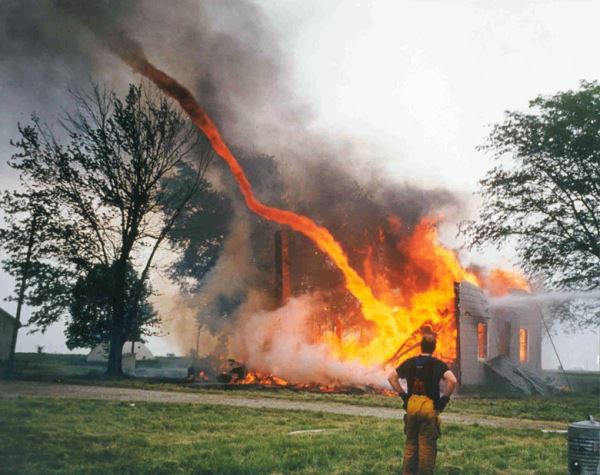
(423, 374)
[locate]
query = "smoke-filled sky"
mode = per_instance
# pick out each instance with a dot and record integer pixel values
(399, 89)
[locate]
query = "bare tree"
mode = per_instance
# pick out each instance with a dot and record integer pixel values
(113, 184)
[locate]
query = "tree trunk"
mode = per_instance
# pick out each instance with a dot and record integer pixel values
(115, 354)
(118, 331)
(22, 288)
(10, 366)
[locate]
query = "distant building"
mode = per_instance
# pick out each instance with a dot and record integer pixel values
(100, 353)
(498, 345)
(7, 327)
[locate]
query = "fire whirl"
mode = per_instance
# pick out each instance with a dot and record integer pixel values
(396, 320)
(393, 328)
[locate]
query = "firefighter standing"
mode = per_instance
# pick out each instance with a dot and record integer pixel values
(423, 405)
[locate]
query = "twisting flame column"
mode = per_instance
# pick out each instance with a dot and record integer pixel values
(391, 329)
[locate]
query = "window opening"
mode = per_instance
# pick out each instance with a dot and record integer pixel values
(482, 341)
(523, 345)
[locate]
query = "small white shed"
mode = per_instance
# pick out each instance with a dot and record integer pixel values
(100, 353)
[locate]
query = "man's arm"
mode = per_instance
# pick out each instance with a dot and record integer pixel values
(450, 383)
(450, 379)
(393, 380)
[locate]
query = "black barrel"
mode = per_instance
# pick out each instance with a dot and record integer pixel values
(584, 447)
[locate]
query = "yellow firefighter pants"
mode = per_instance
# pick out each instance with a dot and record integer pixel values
(422, 429)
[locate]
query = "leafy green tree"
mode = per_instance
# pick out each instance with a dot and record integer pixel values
(90, 309)
(111, 183)
(199, 232)
(28, 243)
(544, 191)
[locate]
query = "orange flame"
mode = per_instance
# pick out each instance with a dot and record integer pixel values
(256, 377)
(373, 309)
(501, 281)
(421, 297)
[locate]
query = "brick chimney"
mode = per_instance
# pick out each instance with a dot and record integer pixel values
(282, 268)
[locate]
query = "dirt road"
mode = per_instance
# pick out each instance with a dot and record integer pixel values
(22, 389)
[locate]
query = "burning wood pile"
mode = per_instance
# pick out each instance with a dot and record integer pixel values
(238, 377)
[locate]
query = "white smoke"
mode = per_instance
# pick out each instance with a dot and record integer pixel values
(193, 319)
(545, 298)
(278, 342)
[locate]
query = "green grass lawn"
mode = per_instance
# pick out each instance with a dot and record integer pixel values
(561, 407)
(49, 436)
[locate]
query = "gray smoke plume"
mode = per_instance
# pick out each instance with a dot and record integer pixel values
(223, 49)
(228, 54)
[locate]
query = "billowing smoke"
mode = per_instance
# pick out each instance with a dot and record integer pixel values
(280, 341)
(224, 50)
(228, 55)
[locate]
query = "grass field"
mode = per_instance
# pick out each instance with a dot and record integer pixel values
(58, 436)
(50, 437)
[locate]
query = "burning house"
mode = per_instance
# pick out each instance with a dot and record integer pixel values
(487, 344)
(314, 336)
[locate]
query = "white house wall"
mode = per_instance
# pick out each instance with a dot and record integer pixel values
(473, 308)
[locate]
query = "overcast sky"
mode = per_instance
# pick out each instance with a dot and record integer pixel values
(423, 79)
(418, 80)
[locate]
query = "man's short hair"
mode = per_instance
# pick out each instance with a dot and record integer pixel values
(428, 343)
